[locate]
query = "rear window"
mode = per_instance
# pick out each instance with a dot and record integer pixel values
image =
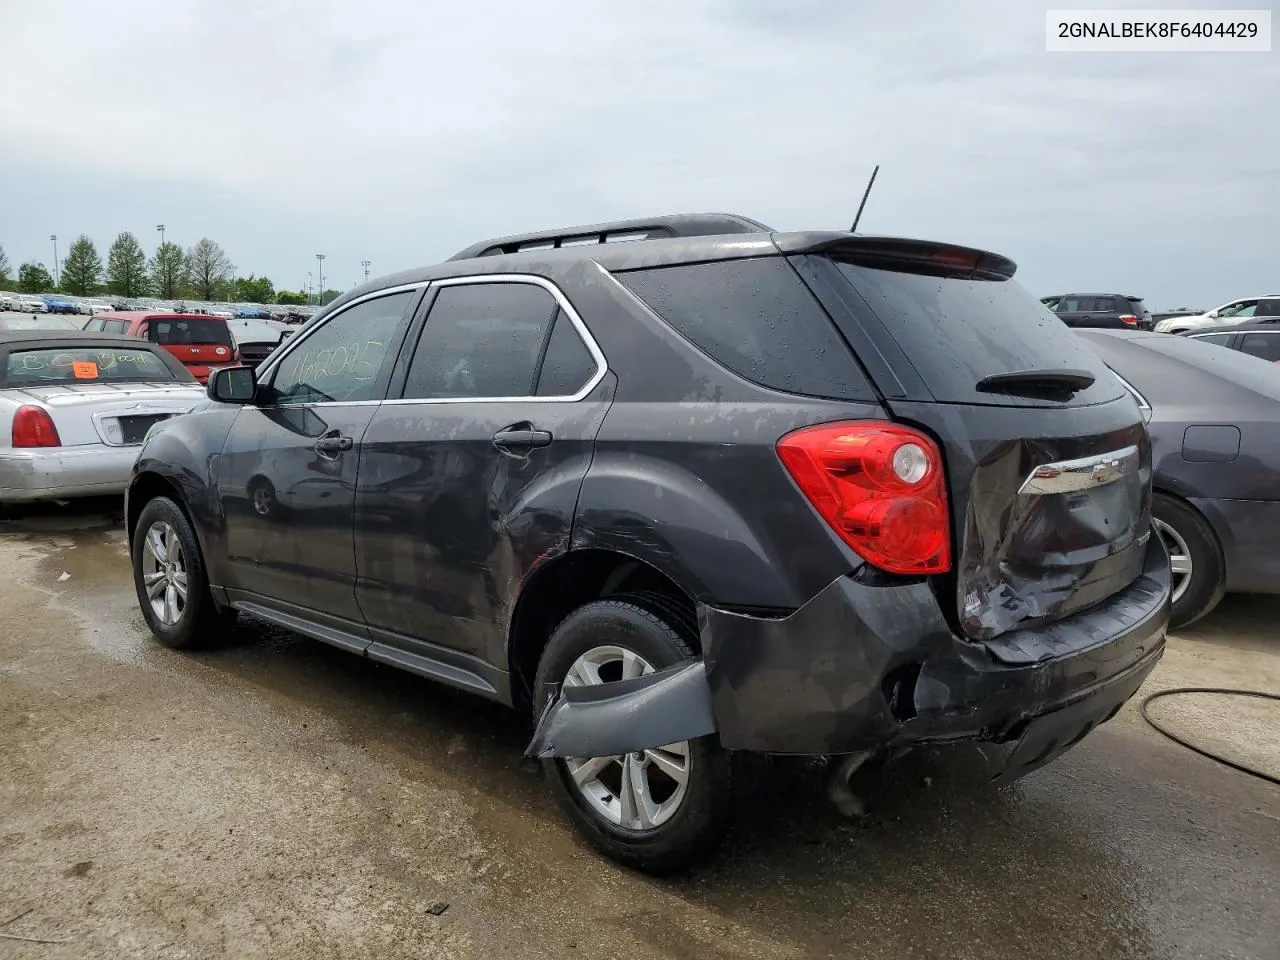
(26, 368)
(956, 331)
(758, 319)
(189, 332)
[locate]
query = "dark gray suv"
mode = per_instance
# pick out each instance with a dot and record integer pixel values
(713, 489)
(1106, 310)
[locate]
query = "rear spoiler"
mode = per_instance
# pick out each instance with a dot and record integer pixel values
(895, 252)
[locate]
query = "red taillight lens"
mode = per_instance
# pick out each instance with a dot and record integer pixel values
(1129, 318)
(32, 427)
(882, 488)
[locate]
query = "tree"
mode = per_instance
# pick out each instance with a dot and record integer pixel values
(253, 289)
(127, 267)
(82, 270)
(34, 278)
(4, 268)
(291, 299)
(329, 296)
(168, 271)
(207, 266)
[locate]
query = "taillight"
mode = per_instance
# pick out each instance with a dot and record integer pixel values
(33, 427)
(880, 486)
(1129, 318)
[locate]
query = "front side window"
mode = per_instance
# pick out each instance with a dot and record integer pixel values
(1241, 308)
(481, 340)
(1219, 339)
(343, 360)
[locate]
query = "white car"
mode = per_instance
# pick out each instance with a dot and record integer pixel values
(30, 303)
(75, 407)
(1233, 311)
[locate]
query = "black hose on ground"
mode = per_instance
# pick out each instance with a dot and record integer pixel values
(1225, 691)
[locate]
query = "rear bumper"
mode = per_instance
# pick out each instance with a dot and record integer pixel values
(864, 667)
(861, 667)
(1249, 531)
(56, 473)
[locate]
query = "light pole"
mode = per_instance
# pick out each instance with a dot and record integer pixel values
(308, 286)
(320, 286)
(232, 289)
(365, 264)
(160, 227)
(54, 238)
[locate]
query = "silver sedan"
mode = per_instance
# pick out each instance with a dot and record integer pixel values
(75, 407)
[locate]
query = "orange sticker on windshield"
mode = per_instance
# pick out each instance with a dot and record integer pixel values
(84, 370)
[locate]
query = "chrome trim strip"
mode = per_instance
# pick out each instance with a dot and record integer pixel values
(1070, 476)
(602, 365)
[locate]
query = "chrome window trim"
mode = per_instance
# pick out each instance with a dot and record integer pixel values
(1071, 476)
(267, 370)
(602, 366)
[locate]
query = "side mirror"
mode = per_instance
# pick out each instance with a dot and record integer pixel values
(232, 385)
(1212, 314)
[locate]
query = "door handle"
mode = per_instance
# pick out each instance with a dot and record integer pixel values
(333, 444)
(521, 436)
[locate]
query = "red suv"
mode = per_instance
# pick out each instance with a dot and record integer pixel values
(202, 343)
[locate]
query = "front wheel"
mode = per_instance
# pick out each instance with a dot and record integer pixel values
(657, 810)
(1199, 569)
(170, 580)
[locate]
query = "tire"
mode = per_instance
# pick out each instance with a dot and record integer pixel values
(1182, 527)
(696, 821)
(198, 621)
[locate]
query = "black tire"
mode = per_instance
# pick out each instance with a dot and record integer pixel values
(700, 820)
(1207, 583)
(200, 623)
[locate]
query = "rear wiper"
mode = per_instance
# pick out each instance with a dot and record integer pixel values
(1049, 384)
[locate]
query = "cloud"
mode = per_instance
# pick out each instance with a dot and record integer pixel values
(401, 131)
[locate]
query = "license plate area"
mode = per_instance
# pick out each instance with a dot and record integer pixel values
(134, 428)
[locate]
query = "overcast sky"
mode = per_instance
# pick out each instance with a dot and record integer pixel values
(399, 131)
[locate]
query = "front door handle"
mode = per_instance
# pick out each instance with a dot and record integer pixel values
(333, 444)
(521, 437)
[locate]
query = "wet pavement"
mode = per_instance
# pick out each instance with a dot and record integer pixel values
(279, 798)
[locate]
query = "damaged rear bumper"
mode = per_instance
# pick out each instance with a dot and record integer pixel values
(863, 667)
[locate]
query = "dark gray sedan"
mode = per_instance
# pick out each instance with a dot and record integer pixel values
(1214, 419)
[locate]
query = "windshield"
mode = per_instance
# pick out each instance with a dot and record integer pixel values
(26, 368)
(190, 331)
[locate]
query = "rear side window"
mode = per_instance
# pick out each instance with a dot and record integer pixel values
(1268, 308)
(115, 326)
(758, 319)
(189, 332)
(1264, 345)
(481, 340)
(567, 364)
(957, 331)
(1104, 304)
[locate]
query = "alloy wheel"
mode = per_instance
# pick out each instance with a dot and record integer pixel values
(1179, 558)
(640, 790)
(164, 573)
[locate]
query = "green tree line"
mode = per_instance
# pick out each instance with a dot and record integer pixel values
(202, 272)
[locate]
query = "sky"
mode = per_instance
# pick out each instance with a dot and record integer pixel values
(400, 131)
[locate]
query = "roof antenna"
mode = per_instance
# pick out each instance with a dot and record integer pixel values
(866, 193)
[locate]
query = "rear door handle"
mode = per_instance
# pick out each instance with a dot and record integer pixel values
(333, 444)
(521, 436)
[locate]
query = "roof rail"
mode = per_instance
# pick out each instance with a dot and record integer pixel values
(650, 228)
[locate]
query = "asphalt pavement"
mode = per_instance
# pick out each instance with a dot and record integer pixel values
(279, 798)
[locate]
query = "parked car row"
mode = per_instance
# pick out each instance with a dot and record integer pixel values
(90, 306)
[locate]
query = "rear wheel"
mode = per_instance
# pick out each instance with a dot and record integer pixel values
(1199, 569)
(656, 810)
(170, 580)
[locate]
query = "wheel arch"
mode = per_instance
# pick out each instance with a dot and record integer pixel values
(565, 583)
